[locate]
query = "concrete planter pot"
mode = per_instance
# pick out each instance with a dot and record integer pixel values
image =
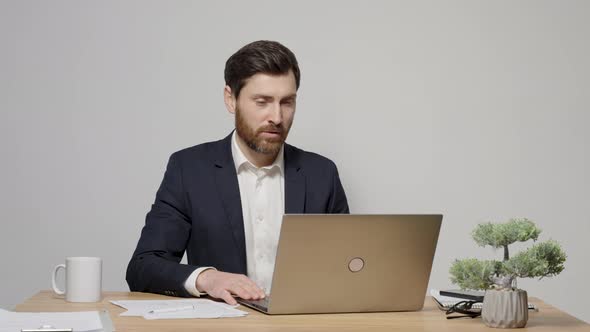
(505, 309)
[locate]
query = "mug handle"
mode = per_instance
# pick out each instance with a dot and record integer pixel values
(54, 284)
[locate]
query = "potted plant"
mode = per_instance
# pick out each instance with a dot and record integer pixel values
(504, 304)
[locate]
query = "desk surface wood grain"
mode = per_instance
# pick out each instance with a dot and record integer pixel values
(430, 318)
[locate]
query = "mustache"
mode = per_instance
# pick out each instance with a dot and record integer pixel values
(274, 128)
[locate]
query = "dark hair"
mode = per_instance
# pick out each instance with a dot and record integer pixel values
(263, 56)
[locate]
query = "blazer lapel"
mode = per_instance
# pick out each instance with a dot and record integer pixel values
(229, 192)
(294, 182)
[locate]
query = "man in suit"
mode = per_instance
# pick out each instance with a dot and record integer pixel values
(222, 202)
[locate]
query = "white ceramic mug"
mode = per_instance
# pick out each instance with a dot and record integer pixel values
(83, 279)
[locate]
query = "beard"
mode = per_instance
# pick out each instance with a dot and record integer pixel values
(253, 139)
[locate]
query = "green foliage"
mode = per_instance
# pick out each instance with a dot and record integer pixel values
(544, 259)
(501, 235)
(472, 273)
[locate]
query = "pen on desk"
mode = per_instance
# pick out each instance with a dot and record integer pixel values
(174, 309)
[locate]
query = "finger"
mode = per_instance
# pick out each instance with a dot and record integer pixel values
(226, 296)
(256, 292)
(248, 292)
(241, 292)
(259, 291)
(252, 287)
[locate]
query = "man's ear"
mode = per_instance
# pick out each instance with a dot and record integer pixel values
(229, 99)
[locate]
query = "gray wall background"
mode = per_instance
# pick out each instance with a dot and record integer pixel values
(475, 109)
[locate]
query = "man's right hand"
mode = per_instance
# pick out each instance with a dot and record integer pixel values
(222, 285)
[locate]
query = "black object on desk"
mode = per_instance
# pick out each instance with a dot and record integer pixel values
(464, 294)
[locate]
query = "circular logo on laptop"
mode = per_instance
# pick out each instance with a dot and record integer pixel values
(356, 264)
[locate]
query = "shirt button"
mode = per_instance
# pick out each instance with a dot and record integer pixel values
(260, 218)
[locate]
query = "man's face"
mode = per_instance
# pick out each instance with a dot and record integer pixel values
(264, 111)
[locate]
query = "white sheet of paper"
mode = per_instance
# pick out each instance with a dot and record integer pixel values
(81, 321)
(204, 308)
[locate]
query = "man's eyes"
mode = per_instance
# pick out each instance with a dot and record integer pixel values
(263, 102)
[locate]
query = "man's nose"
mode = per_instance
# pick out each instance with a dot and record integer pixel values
(276, 115)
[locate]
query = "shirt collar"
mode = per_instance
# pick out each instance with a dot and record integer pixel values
(240, 159)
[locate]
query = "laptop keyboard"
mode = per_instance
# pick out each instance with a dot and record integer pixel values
(260, 304)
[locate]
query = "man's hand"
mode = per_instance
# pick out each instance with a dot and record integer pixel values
(222, 285)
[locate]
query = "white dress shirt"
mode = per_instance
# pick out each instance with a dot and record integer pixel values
(262, 193)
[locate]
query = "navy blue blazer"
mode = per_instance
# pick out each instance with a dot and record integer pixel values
(198, 209)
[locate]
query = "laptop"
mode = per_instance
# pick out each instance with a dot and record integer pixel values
(340, 263)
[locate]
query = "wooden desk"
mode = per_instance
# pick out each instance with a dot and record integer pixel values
(429, 319)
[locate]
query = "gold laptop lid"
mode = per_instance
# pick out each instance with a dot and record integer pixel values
(353, 263)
